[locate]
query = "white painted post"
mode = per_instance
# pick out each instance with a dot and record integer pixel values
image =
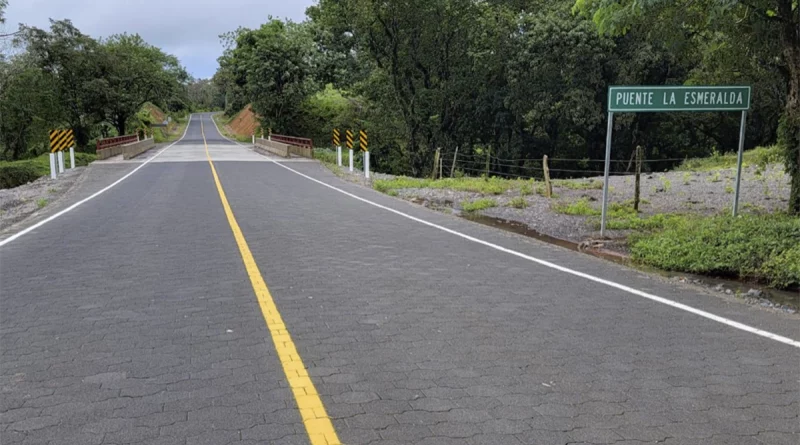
(52, 166)
(739, 163)
(137, 137)
(351, 159)
(366, 164)
(254, 139)
(72, 157)
(339, 155)
(61, 161)
(606, 173)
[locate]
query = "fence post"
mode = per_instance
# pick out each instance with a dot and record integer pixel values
(637, 189)
(453, 168)
(548, 186)
(488, 156)
(435, 164)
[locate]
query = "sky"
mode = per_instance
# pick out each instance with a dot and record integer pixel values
(188, 29)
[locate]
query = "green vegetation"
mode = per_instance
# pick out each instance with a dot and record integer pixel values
(715, 177)
(41, 202)
(486, 186)
(512, 84)
(478, 204)
(15, 173)
(588, 184)
(579, 207)
(518, 203)
(221, 121)
(762, 247)
(62, 78)
(761, 157)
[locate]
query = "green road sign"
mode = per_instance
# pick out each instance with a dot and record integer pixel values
(628, 99)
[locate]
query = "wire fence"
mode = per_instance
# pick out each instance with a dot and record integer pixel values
(487, 164)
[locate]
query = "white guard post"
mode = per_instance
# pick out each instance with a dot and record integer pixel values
(61, 161)
(72, 157)
(53, 173)
(339, 155)
(351, 159)
(254, 139)
(366, 164)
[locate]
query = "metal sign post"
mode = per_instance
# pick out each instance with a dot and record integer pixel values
(650, 99)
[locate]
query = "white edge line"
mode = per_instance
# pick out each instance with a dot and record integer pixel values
(96, 194)
(656, 298)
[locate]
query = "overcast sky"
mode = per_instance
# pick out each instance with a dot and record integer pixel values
(188, 29)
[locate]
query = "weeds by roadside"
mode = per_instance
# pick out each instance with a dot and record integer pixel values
(478, 204)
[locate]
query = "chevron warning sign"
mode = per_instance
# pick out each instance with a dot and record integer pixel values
(336, 137)
(349, 139)
(61, 139)
(362, 139)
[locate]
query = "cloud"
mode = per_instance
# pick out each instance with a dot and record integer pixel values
(189, 29)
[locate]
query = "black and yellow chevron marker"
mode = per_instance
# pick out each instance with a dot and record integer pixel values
(362, 139)
(61, 139)
(349, 139)
(336, 137)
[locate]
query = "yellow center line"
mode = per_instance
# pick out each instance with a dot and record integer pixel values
(318, 425)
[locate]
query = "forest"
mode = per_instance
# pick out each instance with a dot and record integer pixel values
(62, 78)
(508, 81)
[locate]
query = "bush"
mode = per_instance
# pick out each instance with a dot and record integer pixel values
(518, 203)
(761, 247)
(478, 204)
(16, 174)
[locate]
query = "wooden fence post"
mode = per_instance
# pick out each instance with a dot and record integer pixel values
(548, 186)
(636, 192)
(435, 164)
(453, 168)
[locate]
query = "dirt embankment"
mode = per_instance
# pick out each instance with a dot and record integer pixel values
(245, 123)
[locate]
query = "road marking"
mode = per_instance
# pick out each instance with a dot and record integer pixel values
(318, 425)
(622, 287)
(77, 204)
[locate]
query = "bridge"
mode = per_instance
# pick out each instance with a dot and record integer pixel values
(206, 293)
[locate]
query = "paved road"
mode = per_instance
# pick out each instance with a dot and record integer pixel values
(133, 319)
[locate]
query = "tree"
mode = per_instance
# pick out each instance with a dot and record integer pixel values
(28, 106)
(768, 29)
(136, 73)
(78, 67)
(3, 4)
(272, 65)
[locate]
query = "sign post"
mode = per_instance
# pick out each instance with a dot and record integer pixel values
(349, 141)
(59, 140)
(362, 139)
(651, 99)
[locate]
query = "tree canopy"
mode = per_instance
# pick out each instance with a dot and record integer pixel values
(64, 78)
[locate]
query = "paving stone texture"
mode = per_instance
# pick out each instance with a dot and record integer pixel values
(131, 320)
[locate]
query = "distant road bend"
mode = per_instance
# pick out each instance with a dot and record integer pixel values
(217, 296)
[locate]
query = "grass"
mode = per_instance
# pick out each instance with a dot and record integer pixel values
(41, 203)
(518, 203)
(478, 204)
(578, 184)
(760, 156)
(579, 207)
(486, 186)
(761, 247)
(167, 134)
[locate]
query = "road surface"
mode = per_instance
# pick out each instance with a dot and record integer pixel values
(249, 302)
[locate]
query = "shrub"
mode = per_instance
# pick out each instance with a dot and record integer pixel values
(518, 203)
(579, 207)
(750, 246)
(16, 174)
(478, 204)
